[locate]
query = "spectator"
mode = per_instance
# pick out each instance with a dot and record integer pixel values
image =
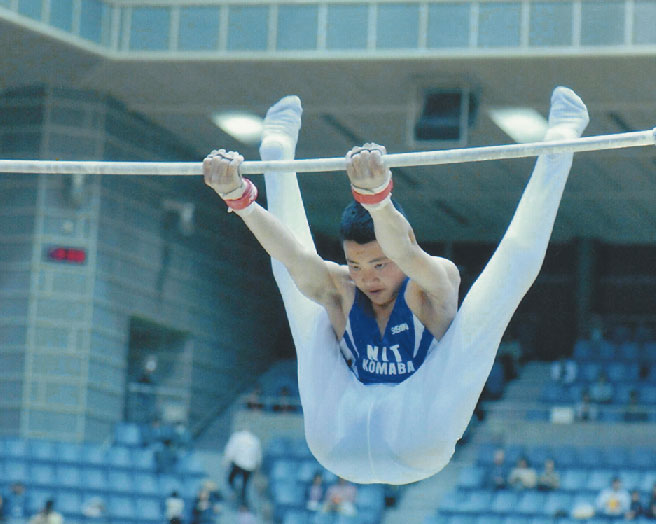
(549, 479)
(284, 403)
(16, 502)
(315, 493)
(522, 476)
(340, 498)
(586, 410)
(498, 473)
(254, 400)
(601, 390)
(47, 515)
(633, 412)
(206, 505)
(636, 508)
(564, 371)
(174, 507)
(613, 501)
(243, 454)
(94, 508)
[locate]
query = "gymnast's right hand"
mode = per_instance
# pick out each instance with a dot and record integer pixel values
(221, 172)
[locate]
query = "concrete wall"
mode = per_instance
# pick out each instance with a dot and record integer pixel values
(64, 328)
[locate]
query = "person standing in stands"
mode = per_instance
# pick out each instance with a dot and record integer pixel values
(47, 515)
(243, 455)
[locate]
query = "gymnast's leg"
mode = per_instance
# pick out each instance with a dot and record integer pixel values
(320, 368)
(468, 349)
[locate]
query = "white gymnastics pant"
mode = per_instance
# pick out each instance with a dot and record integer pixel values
(407, 432)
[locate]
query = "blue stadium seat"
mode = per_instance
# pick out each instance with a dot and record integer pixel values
(149, 510)
(485, 454)
(279, 447)
(288, 493)
(628, 351)
(531, 503)
(146, 484)
(120, 481)
(488, 519)
(94, 480)
(614, 457)
(43, 475)
(70, 504)
(15, 471)
(648, 480)
(283, 469)
(557, 502)
(169, 483)
(451, 501)
(191, 464)
(574, 479)
(631, 479)
(553, 393)
(641, 457)
(296, 516)
(307, 469)
(565, 456)
(462, 519)
(127, 434)
(582, 350)
(370, 496)
(649, 350)
(513, 452)
(600, 479)
(300, 449)
(536, 455)
(589, 457)
(476, 501)
(143, 460)
(69, 452)
(36, 499)
(537, 415)
(610, 415)
(515, 519)
(648, 394)
(119, 458)
(504, 502)
(589, 371)
(93, 455)
(43, 451)
(16, 449)
(121, 507)
(471, 477)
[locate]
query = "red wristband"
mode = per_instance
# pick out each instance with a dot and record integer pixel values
(375, 198)
(246, 199)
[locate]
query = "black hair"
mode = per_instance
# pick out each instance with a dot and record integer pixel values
(357, 225)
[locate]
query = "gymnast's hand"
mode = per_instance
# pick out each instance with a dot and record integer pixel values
(221, 172)
(365, 169)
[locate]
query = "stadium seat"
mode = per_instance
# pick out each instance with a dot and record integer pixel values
(93, 455)
(146, 484)
(288, 493)
(628, 351)
(307, 469)
(296, 516)
(121, 507)
(283, 469)
(554, 393)
(488, 519)
(476, 501)
(16, 449)
(300, 449)
(15, 471)
(143, 460)
(600, 479)
(279, 447)
(515, 519)
(614, 457)
(119, 457)
(127, 434)
(452, 501)
(148, 510)
(94, 480)
(471, 477)
(589, 457)
(530, 503)
(485, 454)
(43, 451)
(36, 499)
(70, 504)
(574, 479)
(504, 502)
(647, 481)
(169, 483)
(641, 457)
(69, 453)
(589, 371)
(191, 464)
(631, 479)
(582, 350)
(557, 502)
(536, 455)
(462, 519)
(370, 496)
(120, 481)
(565, 456)
(43, 475)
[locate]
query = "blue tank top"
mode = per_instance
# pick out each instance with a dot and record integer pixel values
(396, 355)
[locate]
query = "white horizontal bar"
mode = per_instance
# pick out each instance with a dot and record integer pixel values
(422, 158)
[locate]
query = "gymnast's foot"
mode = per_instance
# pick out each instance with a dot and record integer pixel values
(280, 133)
(568, 115)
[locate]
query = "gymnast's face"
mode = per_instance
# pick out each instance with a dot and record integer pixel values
(372, 272)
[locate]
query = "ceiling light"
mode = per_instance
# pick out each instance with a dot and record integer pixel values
(522, 124)
(245, 127)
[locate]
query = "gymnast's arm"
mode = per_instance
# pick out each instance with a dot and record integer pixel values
(315, 278)
(437, 277)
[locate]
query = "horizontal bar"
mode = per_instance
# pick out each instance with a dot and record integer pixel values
(421, 158)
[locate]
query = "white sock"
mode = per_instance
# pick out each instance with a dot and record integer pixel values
(281, 126)
(568, 115)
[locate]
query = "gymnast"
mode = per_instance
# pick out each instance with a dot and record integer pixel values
(389, 373)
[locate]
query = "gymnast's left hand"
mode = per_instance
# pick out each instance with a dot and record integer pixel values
(221, 172)
(365, 169)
